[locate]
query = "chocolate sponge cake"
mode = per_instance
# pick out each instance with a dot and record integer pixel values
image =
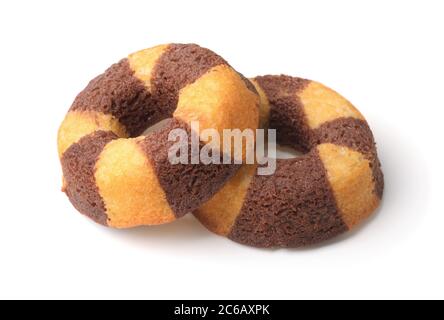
(122, 179)
(334, 186)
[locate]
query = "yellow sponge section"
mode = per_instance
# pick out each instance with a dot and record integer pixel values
(351, 179)
(142, 62)
(78, 124)
(221, 211)
(322, 104)
(129, 186)
(219, 100)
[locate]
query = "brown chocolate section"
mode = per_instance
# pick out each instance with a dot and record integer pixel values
(295, 207)
(78, 164)
(118, 92)
(186, 186)
(178, 66)
(286, 110)
(354, 134)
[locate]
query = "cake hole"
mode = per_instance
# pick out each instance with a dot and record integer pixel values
(283, 152)
(155, 127)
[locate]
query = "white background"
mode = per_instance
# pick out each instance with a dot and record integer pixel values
(385, 56)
